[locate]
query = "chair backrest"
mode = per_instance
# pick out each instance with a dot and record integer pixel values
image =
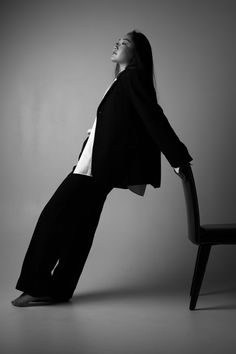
(191, 201)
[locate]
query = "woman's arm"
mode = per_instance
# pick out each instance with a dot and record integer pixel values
(144, 101)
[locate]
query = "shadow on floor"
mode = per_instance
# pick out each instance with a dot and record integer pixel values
(119, 294)
(220, 307)
(229, 290)
(136, 293)
(230, 294)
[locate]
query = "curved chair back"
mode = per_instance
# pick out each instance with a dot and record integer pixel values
(191, 201)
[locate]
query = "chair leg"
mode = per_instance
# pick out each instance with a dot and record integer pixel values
(196, 269)
(199, 271)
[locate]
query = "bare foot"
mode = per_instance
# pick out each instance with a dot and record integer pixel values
(27, 300)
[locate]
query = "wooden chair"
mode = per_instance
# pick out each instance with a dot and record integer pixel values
(204, 236)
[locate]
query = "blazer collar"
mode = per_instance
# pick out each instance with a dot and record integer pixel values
(114, 82)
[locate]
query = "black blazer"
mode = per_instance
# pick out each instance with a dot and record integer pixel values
(131, 133)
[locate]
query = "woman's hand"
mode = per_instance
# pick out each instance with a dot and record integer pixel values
(180, 170)
(176, 169)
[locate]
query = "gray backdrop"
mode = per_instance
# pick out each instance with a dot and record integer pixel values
(55, 66)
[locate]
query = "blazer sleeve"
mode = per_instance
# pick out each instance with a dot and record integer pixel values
(144, 102)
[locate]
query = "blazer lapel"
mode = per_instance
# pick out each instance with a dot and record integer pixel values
(110, 88)
(107, 92)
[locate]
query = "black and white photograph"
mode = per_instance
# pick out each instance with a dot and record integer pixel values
(117, 196)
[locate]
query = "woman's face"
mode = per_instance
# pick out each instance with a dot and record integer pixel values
(123, 51)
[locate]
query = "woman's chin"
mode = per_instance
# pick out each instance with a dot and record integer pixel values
(113, 58)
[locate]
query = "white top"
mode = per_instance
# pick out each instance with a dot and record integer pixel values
(84, 164)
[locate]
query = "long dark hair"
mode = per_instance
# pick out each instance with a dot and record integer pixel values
(142, 56)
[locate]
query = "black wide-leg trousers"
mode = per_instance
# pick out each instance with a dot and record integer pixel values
(63, 237)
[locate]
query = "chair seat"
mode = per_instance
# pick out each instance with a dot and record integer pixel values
(218, 234)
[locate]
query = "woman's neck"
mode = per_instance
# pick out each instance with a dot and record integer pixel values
(122, 67)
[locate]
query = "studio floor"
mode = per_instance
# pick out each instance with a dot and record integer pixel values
(117, 321)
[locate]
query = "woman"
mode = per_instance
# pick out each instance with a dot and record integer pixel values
(122, 150)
